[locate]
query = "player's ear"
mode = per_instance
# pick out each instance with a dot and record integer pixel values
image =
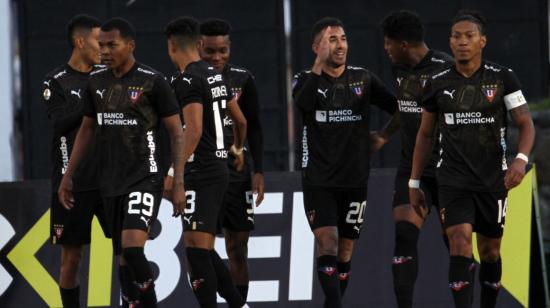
(315, 47)
(78, 41)
(131, 45)
(200, 44)
(483, 41)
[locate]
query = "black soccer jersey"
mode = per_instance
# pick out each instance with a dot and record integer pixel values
(62, 92)
(128, 111)
(335, 116)
(200, 83)
(410, 83)
(243, 88)
(471, 115)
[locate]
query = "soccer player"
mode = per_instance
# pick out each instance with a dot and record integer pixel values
(413, 62)
(334, 100)
(469, 101)
(62, 94)
(204, 98)
(237, 211)
(124, 104)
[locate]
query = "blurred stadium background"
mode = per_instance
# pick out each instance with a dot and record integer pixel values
(272, 39)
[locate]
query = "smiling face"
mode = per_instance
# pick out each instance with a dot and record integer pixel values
(467, 41)
(338, 46)
(116, 51)
(216, 50)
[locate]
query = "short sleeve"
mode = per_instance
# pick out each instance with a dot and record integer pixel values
(188, 89)
(428, 101)
(164, 98)
(89, 107)
(513, 96)
(381, 96)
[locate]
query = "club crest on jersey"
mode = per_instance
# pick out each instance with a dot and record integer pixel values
(134, 93)
(357, 88)
(490, 91)
(236, 93)
(58, 229)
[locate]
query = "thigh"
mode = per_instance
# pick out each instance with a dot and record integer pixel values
(491, 213)
(321, 207)
(352, 204)
(204, 202)
(237, 209)
(457, 207)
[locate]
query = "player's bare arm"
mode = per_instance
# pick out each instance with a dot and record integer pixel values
(239, 133)
(174, 127)
(82, 141)
(522, 119)
(379, 139)
(422, 152)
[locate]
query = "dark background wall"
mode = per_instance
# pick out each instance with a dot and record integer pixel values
(517, 37)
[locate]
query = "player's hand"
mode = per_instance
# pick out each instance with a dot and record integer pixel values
(323, 52)
(239, 157)
(376, 141)
(418, 202)
(258, 187)
(179, 201)
(65, 192)
(168, 183)
(514, 174)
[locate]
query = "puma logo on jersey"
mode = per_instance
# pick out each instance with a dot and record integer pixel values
(77, 93)
(146, 221)
(324, 93)
(188, 80)
(445, 92)
(172, 79)
(399, 79)
(100, 93)
(47, 83)
(188, 219)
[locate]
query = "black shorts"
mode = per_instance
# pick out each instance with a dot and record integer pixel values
(204, 203)
(74, 227)
(134, 210)
(237, 212)
(485, 211)
(340, 207)
(401, 189)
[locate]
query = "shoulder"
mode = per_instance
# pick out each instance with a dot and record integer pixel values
(442, 58)
(300, 77)
(147, 71)
(495, 68)
(238, 71)
(99, 70)
(441, 74)
(56, 76)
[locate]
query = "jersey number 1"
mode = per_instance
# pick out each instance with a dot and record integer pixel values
(218, 123)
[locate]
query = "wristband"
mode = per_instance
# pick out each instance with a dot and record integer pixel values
(170, 172)
(414, 183)
(236, 151)
(523, 157)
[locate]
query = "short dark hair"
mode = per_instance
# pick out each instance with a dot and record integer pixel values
(403, 25)
(81, 22)
(184, 30)
(215, 27)
(123, 26)
(323, 23)
(473, 16)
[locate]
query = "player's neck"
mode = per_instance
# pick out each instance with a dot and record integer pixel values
(334, 71)
(417, 53)
(468, 68)
(186, 57)
(77, 63)
(125, 68)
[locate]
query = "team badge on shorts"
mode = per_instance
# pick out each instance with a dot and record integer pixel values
(134, 93)
(58, 231)
(490, 91)
(311, 216)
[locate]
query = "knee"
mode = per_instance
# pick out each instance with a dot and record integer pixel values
(406, 233)
(71, 259)
(489, 254)
(460, 243)
(327, 244)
